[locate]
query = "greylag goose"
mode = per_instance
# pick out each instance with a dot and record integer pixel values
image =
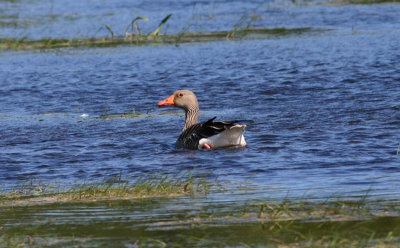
(205, 135)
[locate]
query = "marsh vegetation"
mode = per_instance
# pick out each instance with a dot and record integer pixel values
(163, 212)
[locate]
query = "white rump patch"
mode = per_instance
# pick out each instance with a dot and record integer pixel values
(230, 137)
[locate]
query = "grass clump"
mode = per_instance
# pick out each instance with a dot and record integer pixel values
(156, 186)
(111, 189)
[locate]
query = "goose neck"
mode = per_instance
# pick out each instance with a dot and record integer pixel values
(191, 117)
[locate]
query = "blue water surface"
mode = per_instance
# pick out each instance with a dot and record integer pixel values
(323, 107)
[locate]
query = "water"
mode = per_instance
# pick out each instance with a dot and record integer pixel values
(324, 106)
(71, 19)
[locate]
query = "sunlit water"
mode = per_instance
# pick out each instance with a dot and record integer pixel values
(323, 108)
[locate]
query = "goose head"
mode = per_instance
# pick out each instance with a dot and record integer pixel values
(184, 99)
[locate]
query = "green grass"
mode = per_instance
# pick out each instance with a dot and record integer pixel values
(169, 222)
(163, 211)
(35, 192)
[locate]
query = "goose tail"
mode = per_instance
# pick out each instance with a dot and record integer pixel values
(232, 136)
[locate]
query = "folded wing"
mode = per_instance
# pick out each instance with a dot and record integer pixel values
(215, 134)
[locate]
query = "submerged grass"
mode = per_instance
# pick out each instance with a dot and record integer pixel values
(242, 30)
(132, 114)
(150, 39)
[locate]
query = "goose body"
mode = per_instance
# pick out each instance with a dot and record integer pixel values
(205, 135)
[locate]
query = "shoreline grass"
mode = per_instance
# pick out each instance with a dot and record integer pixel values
(148, 212)
(34, 193)
(362, 223)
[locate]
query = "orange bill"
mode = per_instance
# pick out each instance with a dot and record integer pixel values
(167, 102)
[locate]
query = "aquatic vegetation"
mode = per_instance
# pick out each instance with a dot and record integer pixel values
(109, 29)
(16, 23)
(133, 114)
(160, 26)
(162, 222)
(162, 211)
(152, 39)
(134, 21)
(34, 192)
